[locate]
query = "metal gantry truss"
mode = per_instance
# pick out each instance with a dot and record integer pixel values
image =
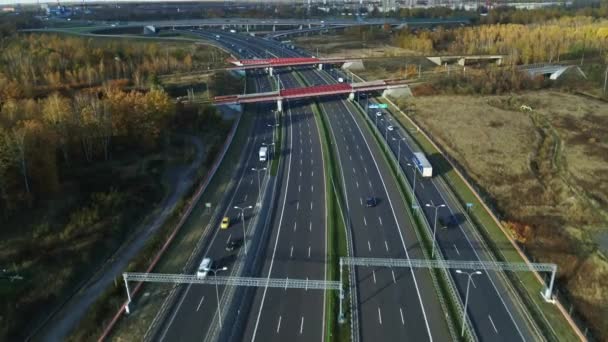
(455, 264)
(308, 284)
(286, 283)
(305, 284)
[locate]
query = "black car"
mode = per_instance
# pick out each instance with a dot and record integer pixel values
(452, 220)
(370, 202)
(232, 245)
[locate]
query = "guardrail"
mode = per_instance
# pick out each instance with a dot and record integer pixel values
(422, 220)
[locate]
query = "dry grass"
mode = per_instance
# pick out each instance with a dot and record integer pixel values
(547, 168)
(344, 46)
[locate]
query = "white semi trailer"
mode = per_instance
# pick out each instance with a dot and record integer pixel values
(422, 164)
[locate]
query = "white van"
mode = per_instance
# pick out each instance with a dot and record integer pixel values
(203, 268)
(263, 153)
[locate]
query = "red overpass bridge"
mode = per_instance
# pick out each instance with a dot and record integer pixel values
(314, 91)
(271, 63)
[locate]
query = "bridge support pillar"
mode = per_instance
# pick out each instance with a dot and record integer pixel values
(309, 26)
(320, 66)
(274, 28)
(247, 27)
(280, 106)
(270, 71)
(351, 96)
(300, 27)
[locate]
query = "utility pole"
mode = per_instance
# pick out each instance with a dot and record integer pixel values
(243, 223)
(436, 207)
(466, 300)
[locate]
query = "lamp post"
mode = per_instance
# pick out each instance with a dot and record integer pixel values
(258, 171)
(466, 297)
(399, 149)
(243, 220)
(217, 294)
(436, 207)
(414, 183)
(386, 133)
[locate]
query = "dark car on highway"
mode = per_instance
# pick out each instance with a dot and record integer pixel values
(370, 202)
(232, 245)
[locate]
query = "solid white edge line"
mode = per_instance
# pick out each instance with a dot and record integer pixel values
(428, 328)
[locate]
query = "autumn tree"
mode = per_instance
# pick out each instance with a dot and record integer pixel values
(57, 114)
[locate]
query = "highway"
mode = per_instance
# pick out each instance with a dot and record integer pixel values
(297, 246)
(393, 304)
(495, 314)
(195, 307)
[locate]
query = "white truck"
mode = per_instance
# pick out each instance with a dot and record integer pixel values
(203, 268)
(232, 31)
(422, 164)
(263, 153)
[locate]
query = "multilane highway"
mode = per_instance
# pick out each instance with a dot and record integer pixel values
(393, 304)
(297, 246)
(194, 310)
(495, 313)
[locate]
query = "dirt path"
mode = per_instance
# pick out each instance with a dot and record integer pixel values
(63, 321)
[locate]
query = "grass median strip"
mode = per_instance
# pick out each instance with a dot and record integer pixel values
(547, 316)
(336, 234)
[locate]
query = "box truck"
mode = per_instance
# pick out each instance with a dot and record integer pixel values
(422, 164)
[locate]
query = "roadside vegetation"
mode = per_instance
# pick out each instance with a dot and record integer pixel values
(542, 171)
(89, 141)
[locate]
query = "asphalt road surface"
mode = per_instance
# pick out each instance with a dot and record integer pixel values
(392, 304)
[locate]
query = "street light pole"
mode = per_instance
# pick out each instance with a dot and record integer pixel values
(399, 149)
(414, 183)
(217, 294)
(259, 184)
(436, 207)
(466, 297)
(243, 223)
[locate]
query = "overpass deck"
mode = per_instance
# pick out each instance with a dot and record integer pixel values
(285, 62)
(308, 92)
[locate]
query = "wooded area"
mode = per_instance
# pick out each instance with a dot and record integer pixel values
(565, 38)
(31, 65)
(87, 134)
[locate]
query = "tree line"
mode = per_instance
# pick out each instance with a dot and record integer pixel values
(34, 64)
(68, 102)
(38, 136)
(553, 41)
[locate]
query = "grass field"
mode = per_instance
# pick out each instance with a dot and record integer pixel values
(339, 45)
(545, 169)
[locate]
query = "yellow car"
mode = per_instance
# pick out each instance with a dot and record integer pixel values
(225, 223)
